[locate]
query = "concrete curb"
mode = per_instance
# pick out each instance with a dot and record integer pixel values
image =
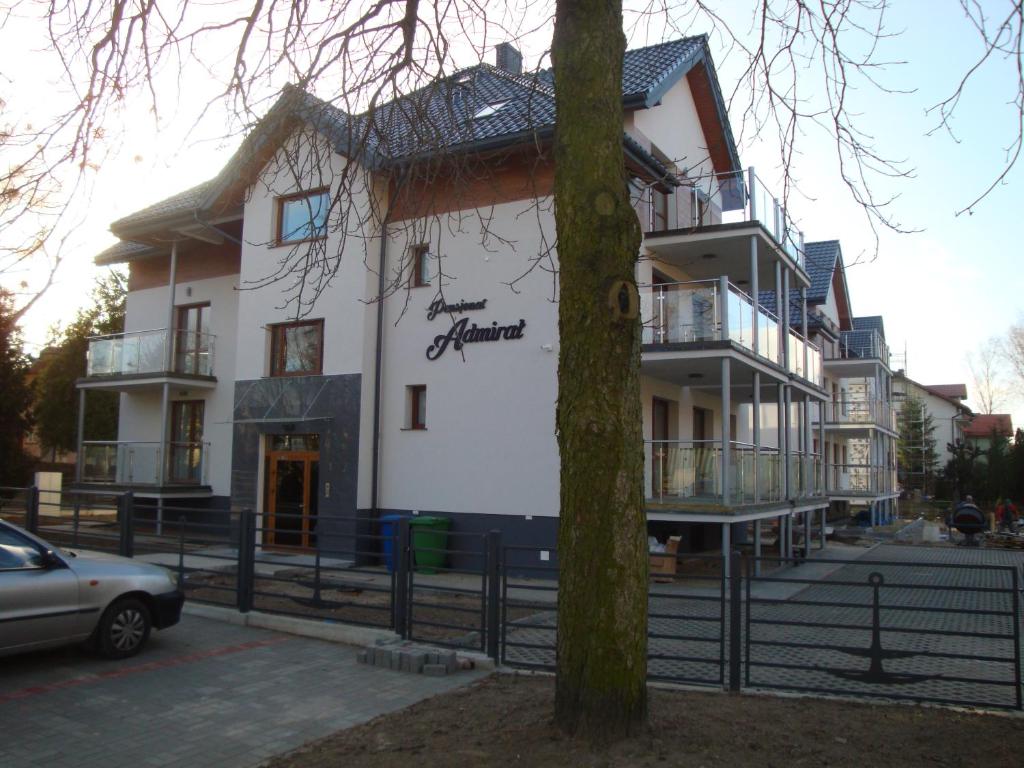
(332, 632)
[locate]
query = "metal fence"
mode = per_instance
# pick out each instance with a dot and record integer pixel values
(918, 631)
(686, 617)
(937, 633)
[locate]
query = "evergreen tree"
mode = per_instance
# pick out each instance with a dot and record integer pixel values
(916, 446)
(15, 397)
(961, 471)
(56, 399)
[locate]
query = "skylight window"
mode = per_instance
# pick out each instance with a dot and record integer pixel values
(490, 109)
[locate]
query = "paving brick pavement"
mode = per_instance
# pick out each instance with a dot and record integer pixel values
(204, 693)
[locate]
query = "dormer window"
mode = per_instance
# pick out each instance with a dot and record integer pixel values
(302, 216)
(490, 109)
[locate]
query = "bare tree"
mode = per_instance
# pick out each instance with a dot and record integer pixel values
(380, 70)
(1013, 349)
(987, 377)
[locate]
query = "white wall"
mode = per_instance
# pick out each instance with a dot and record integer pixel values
(342, 304)
(489, 446)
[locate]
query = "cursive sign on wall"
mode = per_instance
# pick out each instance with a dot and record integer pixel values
(459, 334)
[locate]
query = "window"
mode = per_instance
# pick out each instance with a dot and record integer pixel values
(186, 448)
(420, 266)
(296, 349)
(17, 552)
(303, 216)
(489, 109)
(417, 395)
(657, 211)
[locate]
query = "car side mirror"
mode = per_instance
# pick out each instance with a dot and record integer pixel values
(49, 560)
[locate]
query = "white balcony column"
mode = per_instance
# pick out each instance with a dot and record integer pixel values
(755, 290)
(162, 452)
(782, 341)
(821, 448)
(723, 304)
(169, 335)
(756, 423)
(751, 195)
(726, 437)
(788, 457)
(808, 439)
(807, 532)
(784, 316)
(81, 436)
(783, 439)
(726, 550)
(803, 330)
(757, 547)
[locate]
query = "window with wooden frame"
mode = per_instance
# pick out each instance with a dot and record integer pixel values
(186, 446)
(420, 266)
(302, 216)
(297, 349)
(417, 394)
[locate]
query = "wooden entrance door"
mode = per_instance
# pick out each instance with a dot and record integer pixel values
(292, 484)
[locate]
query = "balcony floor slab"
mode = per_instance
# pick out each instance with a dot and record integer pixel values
(137, 381)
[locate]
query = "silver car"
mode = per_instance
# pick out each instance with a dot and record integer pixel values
(50, 597)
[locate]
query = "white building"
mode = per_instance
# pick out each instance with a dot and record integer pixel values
(424, 376)
(950, 415)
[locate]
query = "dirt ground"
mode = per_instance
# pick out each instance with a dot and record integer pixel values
(506, 721)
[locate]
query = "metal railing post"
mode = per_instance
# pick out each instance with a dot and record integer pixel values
(245, 581)
(493, 593)
(402, 556)
(1015, 584)
(181, 552)
(125, 513)
(32, 510)
(735, 618)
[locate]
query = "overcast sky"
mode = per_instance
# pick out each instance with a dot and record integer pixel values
(942, 290)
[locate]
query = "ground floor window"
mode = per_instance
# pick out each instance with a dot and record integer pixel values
(417, 406)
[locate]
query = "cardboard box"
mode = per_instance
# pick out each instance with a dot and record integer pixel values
(664, 565)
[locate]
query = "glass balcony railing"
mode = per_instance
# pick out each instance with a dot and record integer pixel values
(692, 311)
(805, 476)
(866, 345)
(866, 479)
(138, 463)
(867, 412)
(740, 196)
(691, 471)
(145, 352)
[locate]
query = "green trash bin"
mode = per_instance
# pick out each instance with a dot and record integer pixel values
(429, 540)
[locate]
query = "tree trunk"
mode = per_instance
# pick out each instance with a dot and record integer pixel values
(602, 611)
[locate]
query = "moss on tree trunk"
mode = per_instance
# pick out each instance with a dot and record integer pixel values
(602, 617)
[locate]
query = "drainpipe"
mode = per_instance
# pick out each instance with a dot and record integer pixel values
(169, 334)
(377, 363)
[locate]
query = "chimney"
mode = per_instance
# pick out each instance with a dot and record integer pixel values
(509, 59)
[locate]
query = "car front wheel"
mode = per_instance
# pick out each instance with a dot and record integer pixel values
(124, 628)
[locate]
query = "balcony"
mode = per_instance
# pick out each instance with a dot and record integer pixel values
(136, 464)
(154, 354)
(717, 214)
(695, 311)
(860, 480)
(860, 414)
(857, 345)
(690, 472)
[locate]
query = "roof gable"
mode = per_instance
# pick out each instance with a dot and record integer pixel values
(984, 424)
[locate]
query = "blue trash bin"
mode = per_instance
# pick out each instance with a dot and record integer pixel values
(387, 532)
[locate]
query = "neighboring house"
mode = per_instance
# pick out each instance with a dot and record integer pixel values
(858, 430)
(979, 431)
(944, 403)
(376, 400)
